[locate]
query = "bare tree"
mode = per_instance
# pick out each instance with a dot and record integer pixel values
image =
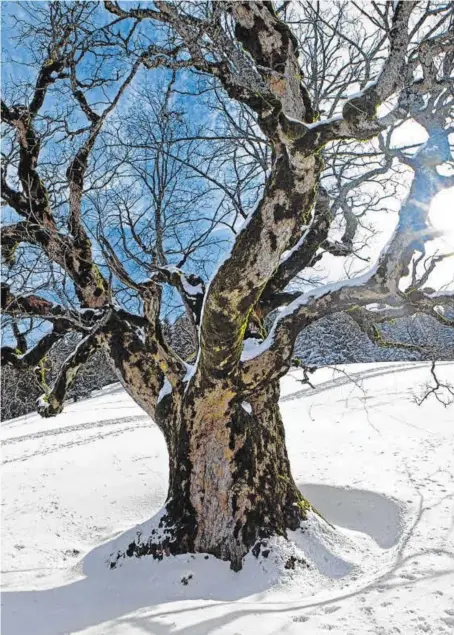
(230, 480)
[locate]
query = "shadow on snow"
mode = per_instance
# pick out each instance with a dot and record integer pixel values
(105, 595)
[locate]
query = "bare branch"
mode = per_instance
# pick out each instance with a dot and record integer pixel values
(442, 391)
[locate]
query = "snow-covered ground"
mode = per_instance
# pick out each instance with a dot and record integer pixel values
(376, 465)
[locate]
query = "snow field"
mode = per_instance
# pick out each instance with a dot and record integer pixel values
(376, 466)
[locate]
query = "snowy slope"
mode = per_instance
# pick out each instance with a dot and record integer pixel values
(377, 466)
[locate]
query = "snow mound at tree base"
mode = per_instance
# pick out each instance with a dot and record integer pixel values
(317, 557)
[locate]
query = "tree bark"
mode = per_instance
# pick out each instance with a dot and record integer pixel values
(230, 483)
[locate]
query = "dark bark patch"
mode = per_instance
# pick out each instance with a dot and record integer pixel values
(279, 213)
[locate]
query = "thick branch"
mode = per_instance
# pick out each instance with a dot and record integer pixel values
(150, 292)
(358, 118)
(271, 358)
(41, 229)
(30, 358)
(35, 306)
(237, 285)
(413, 230)
(51, 403)
(304, 253)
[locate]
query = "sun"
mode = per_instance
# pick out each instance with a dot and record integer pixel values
(441, 213)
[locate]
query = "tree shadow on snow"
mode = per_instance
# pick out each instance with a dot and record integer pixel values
(105, 594)
(359, 510)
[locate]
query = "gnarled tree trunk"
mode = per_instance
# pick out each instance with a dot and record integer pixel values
(230, 480)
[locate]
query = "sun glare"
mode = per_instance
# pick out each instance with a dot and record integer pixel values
(441, 213)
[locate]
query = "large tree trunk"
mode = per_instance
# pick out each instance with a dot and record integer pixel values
(230, 481)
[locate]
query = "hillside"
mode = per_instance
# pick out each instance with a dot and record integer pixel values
(377, 466)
